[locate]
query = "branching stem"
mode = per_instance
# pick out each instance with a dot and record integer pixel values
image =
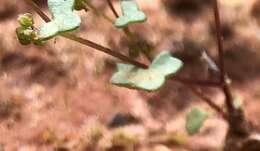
(132, 38)
(197, 82)
(87, 42)
(208, 101)
(186, 82)
(103, 49)
(223, 75)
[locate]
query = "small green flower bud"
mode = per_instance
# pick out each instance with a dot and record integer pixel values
(26, 20)
(22, 35)
(26, 36)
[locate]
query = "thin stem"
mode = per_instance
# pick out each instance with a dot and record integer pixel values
(110, 4)
(126, 29)
(123, 58)
(219, 40)
(208, 101)
(197, 82)
(38, 10)
(189, 84)
(116, 54)
(87, 42)
(103, 49)
(223, 76)
(131, 37)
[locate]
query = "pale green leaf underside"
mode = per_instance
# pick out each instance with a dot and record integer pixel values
(63, 19)
(150, 79)
(195, 120)
(131, 14)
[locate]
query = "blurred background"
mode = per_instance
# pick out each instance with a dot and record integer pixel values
(58, 96)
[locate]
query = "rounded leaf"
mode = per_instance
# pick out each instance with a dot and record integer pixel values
(131, 14)
(195, 120)
(150, 79)
(64, 20)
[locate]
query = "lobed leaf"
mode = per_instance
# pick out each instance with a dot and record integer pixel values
(150, 79)
(131, 14)
(195, 120)
(63, 19)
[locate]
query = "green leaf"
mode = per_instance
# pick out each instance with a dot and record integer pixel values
(150, 79)
(131, 14)
(195, 120)
(63, 19)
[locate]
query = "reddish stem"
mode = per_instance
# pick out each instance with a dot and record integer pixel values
(209, 102)
(112, 8)
(129, 60)
(104, 49)
(223, 75)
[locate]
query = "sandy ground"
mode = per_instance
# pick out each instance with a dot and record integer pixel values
(51, 95)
